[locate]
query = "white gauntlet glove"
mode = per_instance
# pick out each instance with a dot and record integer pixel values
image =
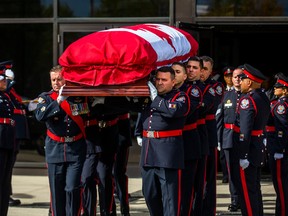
(244, 163)
(278, 156)
(152, 90)
(98, 100)
(60, 97)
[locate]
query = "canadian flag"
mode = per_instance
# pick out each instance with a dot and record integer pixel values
(124, 55)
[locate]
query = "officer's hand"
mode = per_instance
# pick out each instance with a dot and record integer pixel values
(152, 90)
(139, 140)
(244, 163)
(60, 97)
(265, 141)
(32, 105)
(219, 146)
(278, 156)
(98, 100)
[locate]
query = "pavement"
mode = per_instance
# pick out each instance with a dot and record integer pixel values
(30, 185)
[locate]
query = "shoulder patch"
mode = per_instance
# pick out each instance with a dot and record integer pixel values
(281, 109)
(195, 92)
(212, 91)
(245, 104)
(219, 90)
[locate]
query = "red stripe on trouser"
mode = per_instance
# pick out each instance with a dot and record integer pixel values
(245, 192)
(179, 192)
(205, 177)
(280, 187)
(216, 171)
(112, 192)
(192, 194)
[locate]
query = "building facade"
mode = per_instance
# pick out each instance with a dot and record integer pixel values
(34, 33)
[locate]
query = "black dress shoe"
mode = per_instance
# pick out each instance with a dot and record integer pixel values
(233, 207)
(14, 202)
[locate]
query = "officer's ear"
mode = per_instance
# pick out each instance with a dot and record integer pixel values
(250, 82)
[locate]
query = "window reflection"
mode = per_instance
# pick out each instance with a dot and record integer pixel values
(30, 48)
(242, 8)
(26, 8)
(113, 8)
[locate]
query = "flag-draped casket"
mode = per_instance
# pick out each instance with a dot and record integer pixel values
(124, 55)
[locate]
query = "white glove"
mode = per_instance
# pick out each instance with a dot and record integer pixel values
(32, 105)
(139, 140)
(60, 97)
(219, 146)
(278, 156)
(152, 90)
(244, 163)
(265, 142)
(98, 100)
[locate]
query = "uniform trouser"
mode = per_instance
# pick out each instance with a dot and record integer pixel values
(209, 199)
(15, 153)
(199, 187)
(188, 178)
(105, 185)
(6, 166)
(161, 188)
(223, 163)
(232, 187)
(248, 185)
(279, 172)
(88, 179)
(64, 180)
(120, 177)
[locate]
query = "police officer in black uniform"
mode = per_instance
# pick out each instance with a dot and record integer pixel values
(191, 139)
(194, 68)
(65, 145)
(209, 206)
(162, 152)
(121, 162)
(21, 123)
(248, 150)
(7, 143)
(277, 143)
(225, 117)
(102, 137)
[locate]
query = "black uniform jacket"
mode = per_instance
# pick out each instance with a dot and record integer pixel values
(251, 119)
(210, 117)
(277, 138)
(22, 129)
(164, 113)
(225, 118)
(192, 142)
(7, 129)
(62, 125)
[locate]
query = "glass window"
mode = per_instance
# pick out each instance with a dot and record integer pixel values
(30, 46)
(113, 8)
(26, 8)
(242, 8)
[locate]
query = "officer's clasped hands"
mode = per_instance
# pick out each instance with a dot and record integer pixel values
(152, 90)
(278, 156)
(244, 163)
(60, 97)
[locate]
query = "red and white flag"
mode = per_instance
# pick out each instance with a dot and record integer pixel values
(124, 55)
